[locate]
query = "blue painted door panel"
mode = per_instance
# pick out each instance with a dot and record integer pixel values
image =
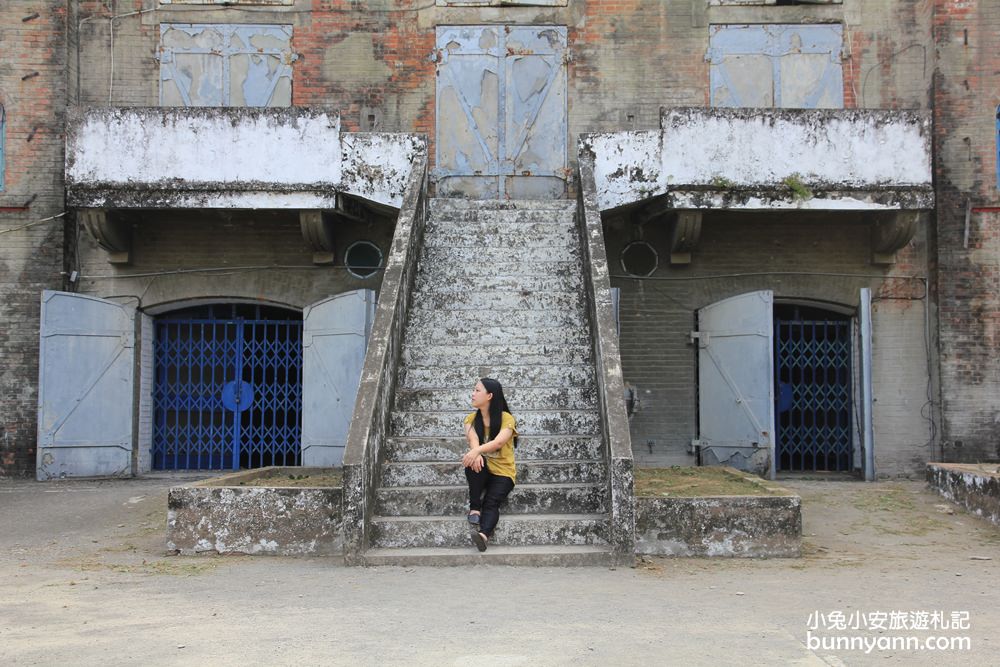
(225, 65)
(735, 390)
(784, 66)
(85, 387)
(334, 341)
(501, 111)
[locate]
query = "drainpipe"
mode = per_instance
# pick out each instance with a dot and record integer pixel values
(867, 425)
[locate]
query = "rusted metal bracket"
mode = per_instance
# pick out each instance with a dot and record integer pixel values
(317, 231)
(111, 234)
(684, 236)
(891, 232)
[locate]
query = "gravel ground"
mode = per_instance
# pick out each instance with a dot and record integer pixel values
(85, 580)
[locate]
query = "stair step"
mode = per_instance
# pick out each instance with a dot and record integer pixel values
(449, 354)
(471, 273)
(531, 556)
(419, 473)
(534, 283)
(512, 530)
(529, 422)
(446, 501)
(551, 217)
(499, 302)
(529, 448)
(444, 258)
(453, 328)
(414, 376)
(479, 320)
(546, 398)
(513, 223)
(441, 205)
(512, 236)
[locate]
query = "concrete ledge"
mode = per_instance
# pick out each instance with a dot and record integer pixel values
(728, 526)
(256, 512)
(976, 487)
(752, 159)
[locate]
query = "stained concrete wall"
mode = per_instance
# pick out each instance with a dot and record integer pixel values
(976, 487)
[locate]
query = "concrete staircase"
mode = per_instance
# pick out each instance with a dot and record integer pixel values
(499, 293)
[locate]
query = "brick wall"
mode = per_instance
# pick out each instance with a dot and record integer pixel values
(32, 89)
(967, 35)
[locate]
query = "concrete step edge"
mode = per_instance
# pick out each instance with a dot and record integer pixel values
(596, 555)
(507, 516)
(529, 487)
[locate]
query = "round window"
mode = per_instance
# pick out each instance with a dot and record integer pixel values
(363, 258)
(639, 258)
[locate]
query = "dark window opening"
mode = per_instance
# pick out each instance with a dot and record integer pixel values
(639, 259)
(363, 259)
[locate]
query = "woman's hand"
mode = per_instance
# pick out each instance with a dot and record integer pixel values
(472, 457)
(477, 465)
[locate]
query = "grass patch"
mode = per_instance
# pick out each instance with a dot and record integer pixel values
(691, 482)
(798, 189)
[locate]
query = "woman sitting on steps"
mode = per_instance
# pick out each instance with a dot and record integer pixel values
(489, 463)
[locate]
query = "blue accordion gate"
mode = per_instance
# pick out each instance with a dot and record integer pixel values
(228, 388)
(813, 394)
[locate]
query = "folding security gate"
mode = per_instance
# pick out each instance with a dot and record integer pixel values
(813, 390)
(228, 388)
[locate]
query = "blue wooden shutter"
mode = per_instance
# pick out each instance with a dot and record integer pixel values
(334, 337)
(784, 66)
(85, 381)
(735, 382)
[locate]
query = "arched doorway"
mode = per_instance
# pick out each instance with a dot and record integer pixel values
(813, 367)
(228, 387)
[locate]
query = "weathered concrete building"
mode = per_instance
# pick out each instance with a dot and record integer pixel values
(780, 274)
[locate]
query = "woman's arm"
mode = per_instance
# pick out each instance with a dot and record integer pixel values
(469, 460)
(475, 451)
(471, 436)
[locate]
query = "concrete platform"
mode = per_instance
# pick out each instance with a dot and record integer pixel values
(974, 486)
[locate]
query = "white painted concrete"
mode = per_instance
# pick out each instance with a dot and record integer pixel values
(229, 158)
(130, 147)
(744, 158)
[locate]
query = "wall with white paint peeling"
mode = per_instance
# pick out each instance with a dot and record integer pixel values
(722, 151)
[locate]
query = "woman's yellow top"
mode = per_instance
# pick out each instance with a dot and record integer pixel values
(500, 462)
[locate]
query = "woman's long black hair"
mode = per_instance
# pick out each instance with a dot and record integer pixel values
(498, 405)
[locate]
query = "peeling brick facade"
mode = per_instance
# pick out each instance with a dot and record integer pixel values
(966, 97)
(32, 92)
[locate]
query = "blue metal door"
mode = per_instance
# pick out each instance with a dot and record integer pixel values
(228, 390)
(501, 112)
(813, 392)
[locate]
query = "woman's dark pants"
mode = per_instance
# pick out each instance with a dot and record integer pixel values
(486, 492)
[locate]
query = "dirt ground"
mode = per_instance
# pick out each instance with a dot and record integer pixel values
(84, 580)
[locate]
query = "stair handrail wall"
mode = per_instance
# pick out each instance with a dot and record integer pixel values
(610, 384)
(376, 392)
